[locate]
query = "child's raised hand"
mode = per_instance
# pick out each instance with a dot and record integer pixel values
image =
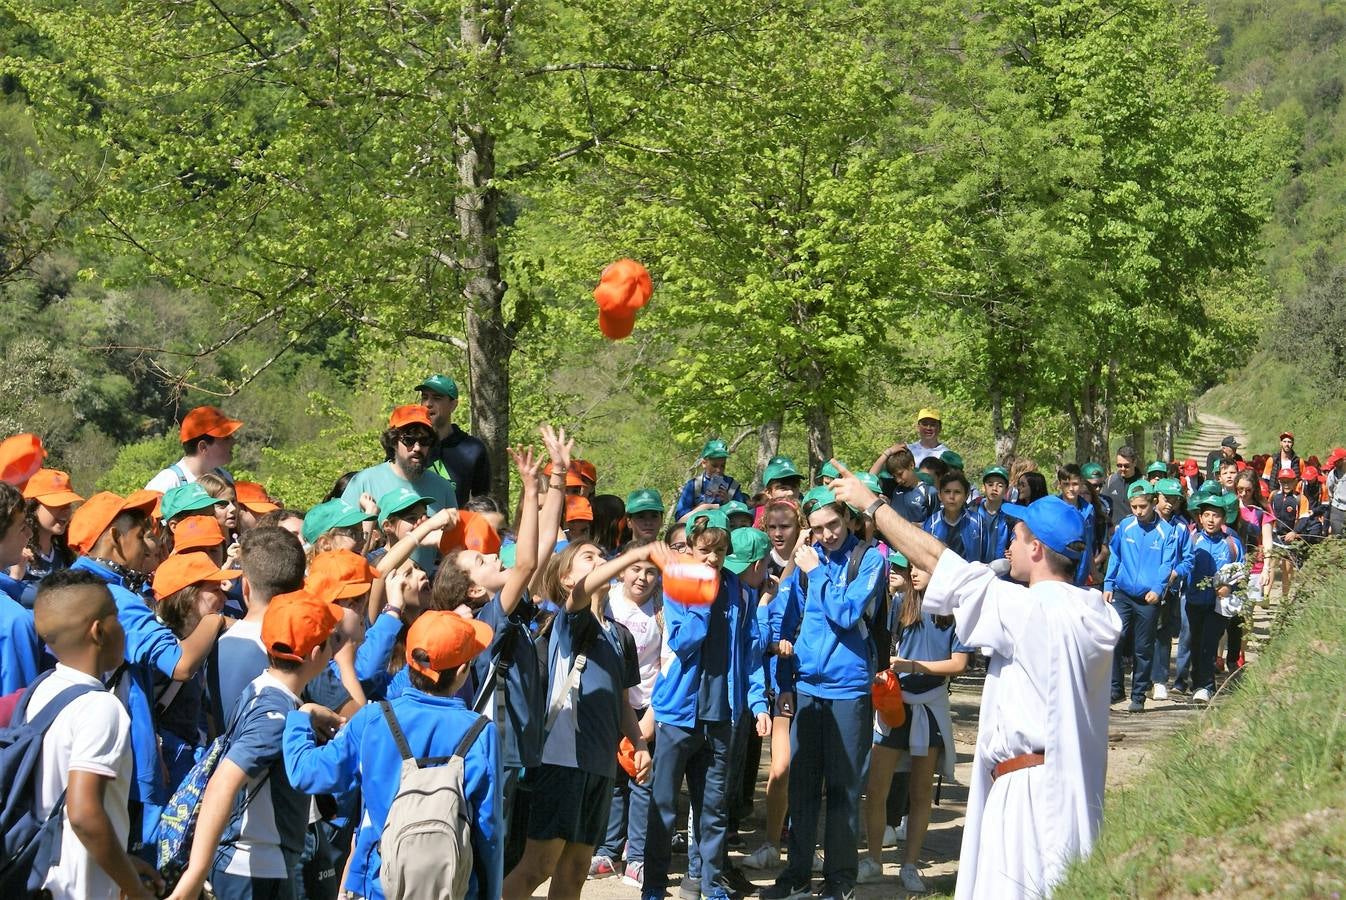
(442, 519)
(559, 446)
(659, 553)
(528, 462)
(368, 505)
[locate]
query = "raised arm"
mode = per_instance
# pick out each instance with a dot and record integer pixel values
(526, 540)
(559, 448)
(602, 574)
(922, 549)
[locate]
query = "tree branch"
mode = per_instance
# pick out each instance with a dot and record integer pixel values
(451, 340)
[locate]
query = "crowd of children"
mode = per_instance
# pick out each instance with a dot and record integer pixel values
(390, 696)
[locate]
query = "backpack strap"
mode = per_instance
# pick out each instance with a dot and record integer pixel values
(180, 475)
(21, 709)
(471, 737)
(398, 737)
(55, 706)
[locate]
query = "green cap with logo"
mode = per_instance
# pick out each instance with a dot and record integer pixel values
(333, 514)
(184, 498)
(748, 545)
(399, 499)
(1169, 487)
(1091, 470)
(1157, 467)
(819, 496)
(1141, 488)
(440, 384)
(715, 449)
(779, 467)
(951, 459)
(644, 500)
(735, 508)
(896, 558)
(870, 480)
(995, 472)
(714, 519)
(830, 471)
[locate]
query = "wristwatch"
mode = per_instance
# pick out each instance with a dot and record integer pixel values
(874, 507)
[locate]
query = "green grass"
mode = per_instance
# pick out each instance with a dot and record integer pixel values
(1267, 397)
(1250, 799)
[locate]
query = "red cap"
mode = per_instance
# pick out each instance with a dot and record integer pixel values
(181, 570)
(340, 575)
(197, 533)
(473, 532)
(578, 509)
(411, 414)
(1336, 456)
(21, 456)
(616, 326)
(445, 640)
(1189, 467)
(50, 487)
(297, 622)
(1240, 465)
(1310, 473)
(253, 497)
(207, 421)
(99, 512)
(626, 757)
(1287, 475)
(1286, 434)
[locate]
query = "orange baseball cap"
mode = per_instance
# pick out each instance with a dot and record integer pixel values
(573, 478)
(340, 575)
(99, 512)
(472, 532)
(197, 533)
(585, 470)
(411, 414)
(207, 421)
(181, 570)
(297, 622)
(253, 497)
(50, 487)
(446, 639)
(624, 287)
(136, 499)
(579, 509)
(21, 456)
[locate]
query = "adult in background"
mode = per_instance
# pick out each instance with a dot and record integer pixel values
(1036, 798)
(928, 426)
(459, 457)
(1115, 487)
(207, 436)
(1285, 458)
(1228, 449)
(1336, 490)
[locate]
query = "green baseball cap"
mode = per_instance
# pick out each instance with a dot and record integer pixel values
(896, 558)
(185, 498)
(644, 500)
(830, 471)
(1208, 501)
(440, 384)
(995, 472)
(1230, 502)
(1157, 467)
(748, 545)
(1091, 470)
(1169, 487)
(925, 476)
(870, 480)
(714, 519)
(715, 449)
(333, 514)
(951, 459)
(508, 553)
(398, 499)
(819, 496)
(735, 508)
(779, 467)
(1139, 488)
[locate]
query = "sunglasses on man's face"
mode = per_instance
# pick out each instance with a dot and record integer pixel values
(410, 440)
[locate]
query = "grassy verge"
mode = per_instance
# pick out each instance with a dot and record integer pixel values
(1268, 398)
(1250, 800)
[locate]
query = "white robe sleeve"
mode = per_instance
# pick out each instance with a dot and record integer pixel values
(986, 609)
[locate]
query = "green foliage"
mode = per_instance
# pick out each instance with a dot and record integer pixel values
(137, 463)
(1269, 395)
(302, 475)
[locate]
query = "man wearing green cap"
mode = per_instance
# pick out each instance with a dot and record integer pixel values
(645, 514)
(1156, 470)
(459, 457)
(995, 528)
(712, 487)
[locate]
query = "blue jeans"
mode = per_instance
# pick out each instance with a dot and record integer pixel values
(1183, 672)
(702, 752)
(1139, 618)
(829, 749)
(1207, 626)
(1176, 626)
(627, 817)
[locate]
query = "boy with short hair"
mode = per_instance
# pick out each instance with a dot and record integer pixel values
(712, 486)
(1070, 485)
(912, 498)
(434, 722)
(995, 527)
(1213, 548)
(86, 753)
(953, 524)
(251, 820)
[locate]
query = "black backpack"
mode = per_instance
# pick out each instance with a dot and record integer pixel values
(32, 845)
(875, 618)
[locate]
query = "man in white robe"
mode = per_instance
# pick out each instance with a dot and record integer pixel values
(1036, 798)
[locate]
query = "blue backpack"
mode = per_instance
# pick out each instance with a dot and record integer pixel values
(32, 844)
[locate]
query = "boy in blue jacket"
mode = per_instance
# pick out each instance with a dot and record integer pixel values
(440, 648)
(1142, 563)
(953, 523)
(19, 647)
(1168, 502)
(831, 728)
(1213, 547)
(712, 486)
(714, 674)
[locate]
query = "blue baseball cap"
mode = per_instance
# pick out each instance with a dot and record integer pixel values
(1054, 522)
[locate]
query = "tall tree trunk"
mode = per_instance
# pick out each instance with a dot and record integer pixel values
(489, 344)
(818, 419)
(1006, 431)
(768, 445)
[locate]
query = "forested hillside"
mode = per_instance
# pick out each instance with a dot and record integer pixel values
(1050, 219)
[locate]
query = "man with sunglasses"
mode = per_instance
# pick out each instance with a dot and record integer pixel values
(1115, 488)
(409, 449)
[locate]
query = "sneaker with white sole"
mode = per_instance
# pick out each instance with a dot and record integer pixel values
(893, 835)
(911, 878)
(784, 891)
(1159, 692)
(602, 867)
(869, 872)
(817, 861)
(764, 857)
(1201, 696)
(634, 875)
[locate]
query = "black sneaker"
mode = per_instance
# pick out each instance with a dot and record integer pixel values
(679, 842)
(733, 878)
(733, 841)
(827, 892)
(782, 890)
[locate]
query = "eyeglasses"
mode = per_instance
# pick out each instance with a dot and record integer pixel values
(410, 440)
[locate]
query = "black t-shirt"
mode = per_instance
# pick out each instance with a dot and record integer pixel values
(464, 460)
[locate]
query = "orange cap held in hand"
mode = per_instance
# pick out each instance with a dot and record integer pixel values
(886, 693)
(473, 532)
(625, 287)
(688, 581)
(626, 757)
(21, 455)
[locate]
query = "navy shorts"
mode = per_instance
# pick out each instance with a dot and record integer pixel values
(569, 804)
(900, 738)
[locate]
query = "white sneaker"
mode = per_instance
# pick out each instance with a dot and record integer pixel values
(766, 856)
(817, 861)
(1159, 692)
(868, 872)
(911, 878)
(1201, 696)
